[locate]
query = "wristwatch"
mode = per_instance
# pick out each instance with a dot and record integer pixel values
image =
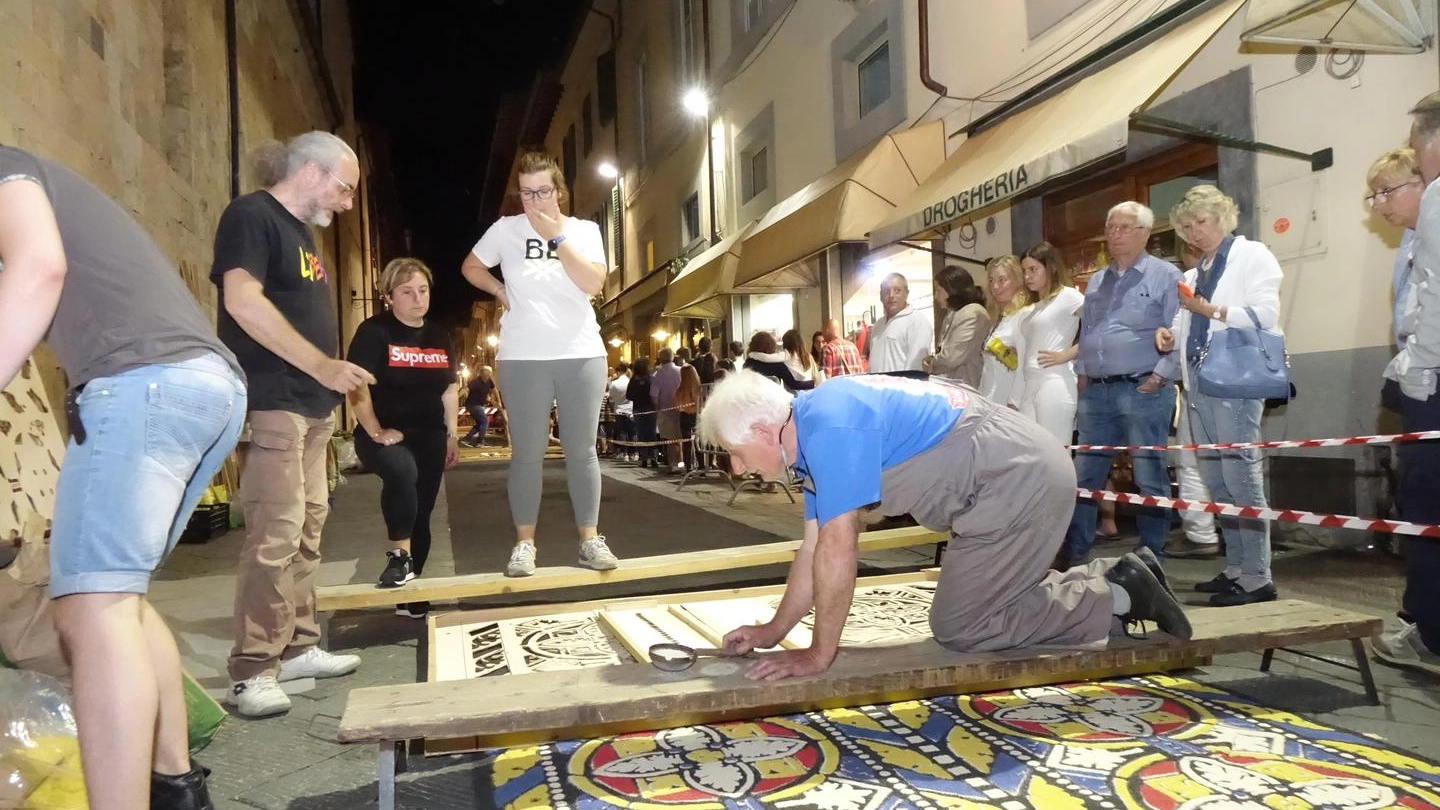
(555, 243)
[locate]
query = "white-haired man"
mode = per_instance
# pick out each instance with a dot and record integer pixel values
(1126, 395)
(995, 480)
(277, 315)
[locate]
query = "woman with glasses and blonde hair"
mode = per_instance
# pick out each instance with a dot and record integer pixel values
(1004, 281)
(407, 419)
(550, 351)
(1045, 385)
(1236, 284)
(1395, 189)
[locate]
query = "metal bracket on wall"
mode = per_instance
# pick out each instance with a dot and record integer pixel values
(1322, 159)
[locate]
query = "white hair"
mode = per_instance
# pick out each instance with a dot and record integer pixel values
(1144, 217)
(319, 146)
(737, 404)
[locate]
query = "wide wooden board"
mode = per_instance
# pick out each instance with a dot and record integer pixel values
(364, 595)
(557, 705)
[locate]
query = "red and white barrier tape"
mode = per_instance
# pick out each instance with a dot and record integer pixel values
(1392, 438)
(1280, 515)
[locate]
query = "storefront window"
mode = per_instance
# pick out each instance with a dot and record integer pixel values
(771, 313)
(862, 304)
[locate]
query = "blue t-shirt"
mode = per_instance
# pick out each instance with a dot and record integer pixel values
(851, 428)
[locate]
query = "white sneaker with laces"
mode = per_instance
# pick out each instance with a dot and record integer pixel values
(317, 663)
(260, 696)
(522, 560)
(596, 555)
(1404, 647)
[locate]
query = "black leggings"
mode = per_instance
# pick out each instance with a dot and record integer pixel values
(411, 472)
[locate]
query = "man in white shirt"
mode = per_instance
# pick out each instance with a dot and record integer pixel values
(903, 337)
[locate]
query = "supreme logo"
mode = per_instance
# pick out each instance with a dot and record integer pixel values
(416, 357)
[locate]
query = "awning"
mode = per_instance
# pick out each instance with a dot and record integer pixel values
(841, 206)
(634, 294)
(1383, 26)
(701, 288)
(1084, 123)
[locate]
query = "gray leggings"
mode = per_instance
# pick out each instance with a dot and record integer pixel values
(577, 387)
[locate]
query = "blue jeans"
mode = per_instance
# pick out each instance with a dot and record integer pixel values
(1235, 477)
(155, 436)
(1419, 481)
(1117, 414)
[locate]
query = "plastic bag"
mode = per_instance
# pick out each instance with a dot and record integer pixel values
(39, 752)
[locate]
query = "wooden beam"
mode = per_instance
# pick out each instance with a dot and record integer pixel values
(364, 595)
(579, 703)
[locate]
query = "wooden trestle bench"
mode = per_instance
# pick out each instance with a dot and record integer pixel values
(534, 707)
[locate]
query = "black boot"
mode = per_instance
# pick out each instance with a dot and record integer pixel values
(186, 791)
(1149, 600)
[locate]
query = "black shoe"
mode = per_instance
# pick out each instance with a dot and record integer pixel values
(399, 569)
(1153, 563)
(1239, 596)
(1149, 600)
(413, 610)
(1220, 584)
(1189, 550)
(186, 791)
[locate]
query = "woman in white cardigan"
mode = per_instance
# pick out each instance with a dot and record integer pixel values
(1235, 277)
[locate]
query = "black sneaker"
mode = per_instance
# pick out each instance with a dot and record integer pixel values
(1149, 600)
(1239, 596)
(1220, 584)
(413, 610)
(186, 791)
(398, 569)
(1153, 563)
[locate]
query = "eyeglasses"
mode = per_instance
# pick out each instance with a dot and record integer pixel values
(345, 188)
(1121, 229)
(528, 194)
(1383, 195)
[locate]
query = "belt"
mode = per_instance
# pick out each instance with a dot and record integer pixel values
(1118, 378)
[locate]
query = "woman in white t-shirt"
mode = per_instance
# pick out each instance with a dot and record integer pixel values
(550, 351)
(1045, 388)
(798, 358)
(1006, 296)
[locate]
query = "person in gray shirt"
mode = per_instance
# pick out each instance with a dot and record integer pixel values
(1126, 395)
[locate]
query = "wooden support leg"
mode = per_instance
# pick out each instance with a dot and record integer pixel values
(1266, 658)
(1362, 663)
(385, 775)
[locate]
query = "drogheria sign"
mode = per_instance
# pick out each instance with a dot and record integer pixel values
(993, 190)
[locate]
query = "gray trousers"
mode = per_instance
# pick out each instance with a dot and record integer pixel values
(1005, 489)
(576, 387)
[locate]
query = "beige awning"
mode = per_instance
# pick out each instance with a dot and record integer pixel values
(634, 294)
(841, 206)
(1382, 26)
(702, 288)
(1082, 124)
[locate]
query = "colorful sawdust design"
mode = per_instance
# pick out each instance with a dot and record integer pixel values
(1155, 743)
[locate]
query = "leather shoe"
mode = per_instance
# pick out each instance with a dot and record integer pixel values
(186, 791)
(1190, 550)
(1149, 600)
(1239, 596)
(1152, 562)
(1220, 584)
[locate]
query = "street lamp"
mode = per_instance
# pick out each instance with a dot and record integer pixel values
(697, 102)
(608, 171)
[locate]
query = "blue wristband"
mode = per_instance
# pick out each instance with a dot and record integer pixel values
(555, 243)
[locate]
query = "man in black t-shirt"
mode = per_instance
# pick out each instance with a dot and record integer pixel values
(477, 398)
(277, 315)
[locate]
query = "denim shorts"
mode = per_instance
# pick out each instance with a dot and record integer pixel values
(155, 436)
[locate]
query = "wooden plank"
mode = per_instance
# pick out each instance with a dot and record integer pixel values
(364, 595)
(556, 705)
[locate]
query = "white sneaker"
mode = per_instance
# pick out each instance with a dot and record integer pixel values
(1404, 648)
(522, 560)
(259, 696)
(594, 554)
(317, 663)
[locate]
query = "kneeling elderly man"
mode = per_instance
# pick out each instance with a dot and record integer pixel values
(997, 481)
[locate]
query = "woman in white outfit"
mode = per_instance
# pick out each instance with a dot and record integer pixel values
(1236, 277)
(1003, 348)
(799, 360)
(1045, 385)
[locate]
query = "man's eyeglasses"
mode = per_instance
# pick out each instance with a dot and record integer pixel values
(528, 194)
(1121, 229)
(345, 188)
(1383, 195)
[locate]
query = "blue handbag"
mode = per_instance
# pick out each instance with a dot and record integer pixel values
(1244, 364)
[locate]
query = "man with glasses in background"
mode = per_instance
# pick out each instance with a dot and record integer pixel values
(1125, 383)
(277, 315)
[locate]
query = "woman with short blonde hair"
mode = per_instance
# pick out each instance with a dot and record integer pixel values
(1395, 191)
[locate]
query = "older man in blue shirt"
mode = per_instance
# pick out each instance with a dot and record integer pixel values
(1125, 393)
